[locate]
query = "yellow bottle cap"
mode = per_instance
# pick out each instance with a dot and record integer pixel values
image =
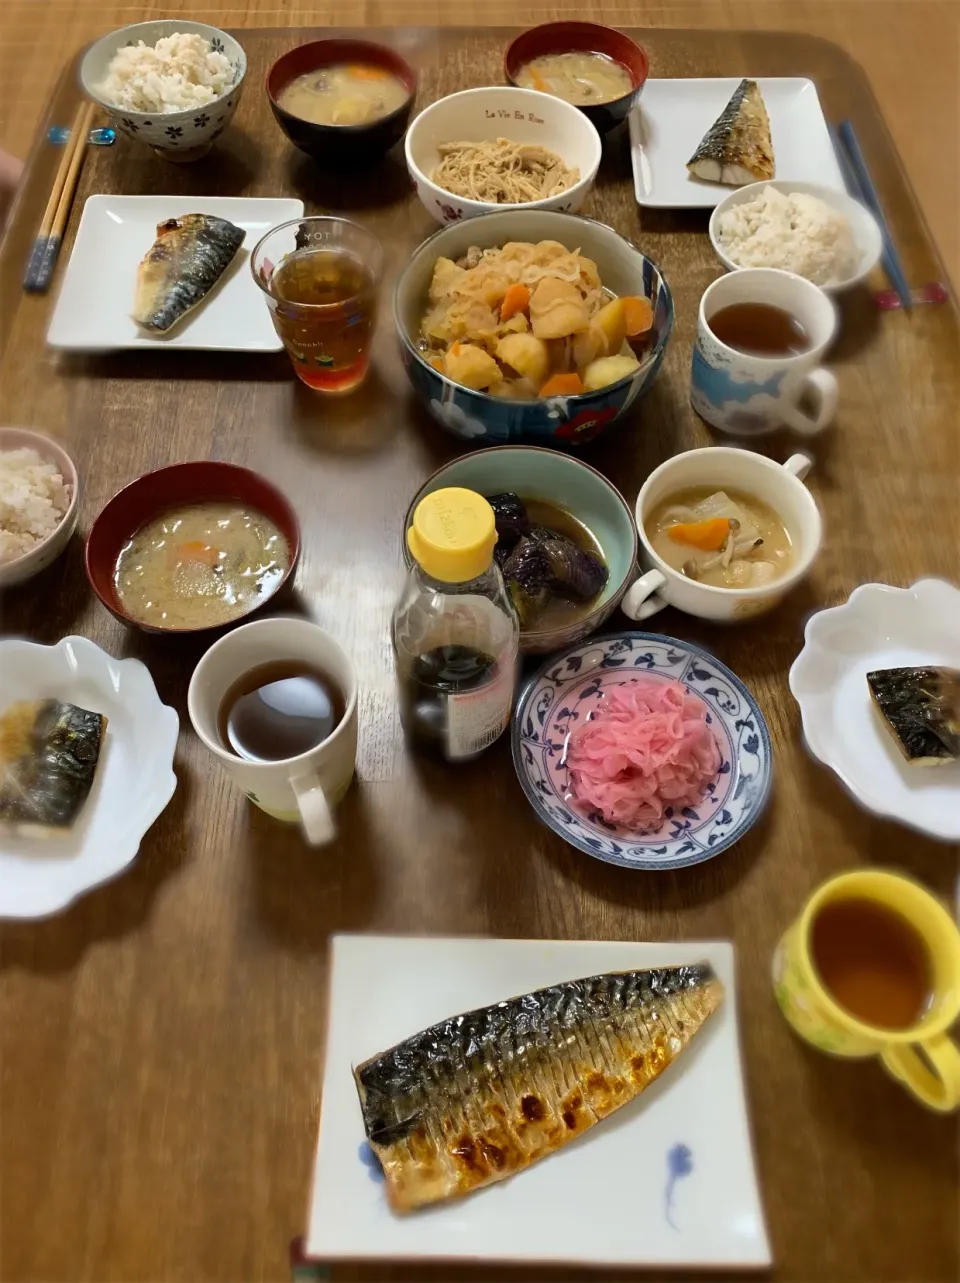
(453, 535)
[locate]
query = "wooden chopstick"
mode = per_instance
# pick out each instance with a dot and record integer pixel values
(43, 257)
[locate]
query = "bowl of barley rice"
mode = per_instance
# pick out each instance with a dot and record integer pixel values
(39, 496)
(172, 84)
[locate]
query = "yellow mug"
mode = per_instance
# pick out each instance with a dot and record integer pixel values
(934, 1077)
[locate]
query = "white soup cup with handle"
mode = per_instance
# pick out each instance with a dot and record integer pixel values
(780, 486)
(305, 788)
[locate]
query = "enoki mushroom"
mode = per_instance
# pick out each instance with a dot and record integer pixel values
(502, 172)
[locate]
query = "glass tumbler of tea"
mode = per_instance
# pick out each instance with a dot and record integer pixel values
(321, 278)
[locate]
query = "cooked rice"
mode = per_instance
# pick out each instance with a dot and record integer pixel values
(502, 172)
(179, 73)
(792, 231)
(33, 502)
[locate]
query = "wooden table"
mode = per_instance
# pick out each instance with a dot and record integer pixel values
(160, 1042)
(909, 51)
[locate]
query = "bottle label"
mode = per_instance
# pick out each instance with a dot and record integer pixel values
(476, 718)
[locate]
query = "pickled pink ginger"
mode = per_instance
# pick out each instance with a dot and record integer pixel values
(647, 746)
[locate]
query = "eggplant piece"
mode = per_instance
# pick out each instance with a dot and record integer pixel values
(573, 572)
(527, 575)
(512, 521)
(510, 515)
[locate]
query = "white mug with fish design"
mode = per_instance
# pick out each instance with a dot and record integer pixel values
(780, 486)
(305, 788)
(748, 395)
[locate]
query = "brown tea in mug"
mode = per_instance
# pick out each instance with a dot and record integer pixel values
(873, 962)
(758, 329)
(279, 710)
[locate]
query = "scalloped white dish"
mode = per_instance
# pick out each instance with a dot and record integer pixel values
(879, 627)
(133, 784)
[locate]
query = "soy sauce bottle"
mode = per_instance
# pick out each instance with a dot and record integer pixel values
(455, 631)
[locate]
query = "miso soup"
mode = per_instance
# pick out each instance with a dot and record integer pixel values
(577, 77)
(200, 565)
(726, 539)
(354, 93)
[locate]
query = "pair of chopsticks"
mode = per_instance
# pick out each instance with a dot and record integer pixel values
(46, 247)
(860, 185)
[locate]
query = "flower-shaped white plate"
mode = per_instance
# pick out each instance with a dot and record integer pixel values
(668, 1180)
(134, 780)
(879, 627)
(569, 687)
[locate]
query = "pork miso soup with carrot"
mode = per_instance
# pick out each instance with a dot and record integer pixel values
(723, 538)
(526, 321)
(200, 565)
(349, 93)
(578, 77)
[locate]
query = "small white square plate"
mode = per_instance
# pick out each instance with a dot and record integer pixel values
(617, 1176)
(93, 311)
(672, 116)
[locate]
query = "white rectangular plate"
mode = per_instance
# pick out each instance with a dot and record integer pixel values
(93, 311)
(605, 1199)
(672, 117)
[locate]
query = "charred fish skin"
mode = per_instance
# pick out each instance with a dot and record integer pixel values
(48, 780)
(182, 266)
(480, 1096)
(737, 148)
(920, 707)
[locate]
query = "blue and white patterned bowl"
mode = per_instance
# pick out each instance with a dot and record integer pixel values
(561, 421)
(174, 135)
(569, 684)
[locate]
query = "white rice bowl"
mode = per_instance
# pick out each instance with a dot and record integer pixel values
(793, 231)
(180, 72)
(33, 501)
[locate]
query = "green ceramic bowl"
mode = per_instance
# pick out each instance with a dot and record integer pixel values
(536, 473)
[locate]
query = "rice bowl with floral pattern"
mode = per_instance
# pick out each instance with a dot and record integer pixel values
(568, 689)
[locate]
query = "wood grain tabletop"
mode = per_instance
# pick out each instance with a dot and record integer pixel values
(161, 1040)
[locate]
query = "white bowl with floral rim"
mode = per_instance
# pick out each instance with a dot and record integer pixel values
(501, 111)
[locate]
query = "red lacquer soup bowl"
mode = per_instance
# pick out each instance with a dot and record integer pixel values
(157, 492)
(583, 37)
(341, 144)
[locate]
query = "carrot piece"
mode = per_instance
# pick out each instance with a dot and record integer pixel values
(639, 315)
(709, 536)
(562, 385)
(516, 299)
(197, 550)
(366, 71)
(437, 363)
(538, 81)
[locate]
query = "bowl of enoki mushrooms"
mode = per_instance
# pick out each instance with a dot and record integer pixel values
(501, 148)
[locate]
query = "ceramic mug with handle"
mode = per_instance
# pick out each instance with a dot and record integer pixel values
(746, 394)
(780, 486)
(305, 788)
(922, 1057)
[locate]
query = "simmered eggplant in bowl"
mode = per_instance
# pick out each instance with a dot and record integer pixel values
(567, 543)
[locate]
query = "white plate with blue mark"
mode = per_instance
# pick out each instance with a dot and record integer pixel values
(568, 688)
(668, 1180)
